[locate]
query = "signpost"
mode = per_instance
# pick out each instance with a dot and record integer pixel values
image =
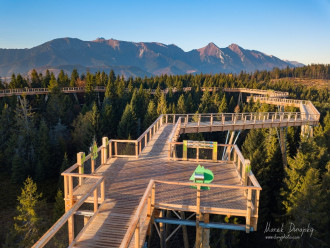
(198, 145)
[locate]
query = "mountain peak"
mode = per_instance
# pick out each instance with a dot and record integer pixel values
(210, 50)
(236, 48)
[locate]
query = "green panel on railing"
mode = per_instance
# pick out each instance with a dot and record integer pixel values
(185, 149)
(94, 151)
(215, 151)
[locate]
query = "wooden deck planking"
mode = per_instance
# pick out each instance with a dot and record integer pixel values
(127, 179)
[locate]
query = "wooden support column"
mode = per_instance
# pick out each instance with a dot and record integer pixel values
(110, 149)
(95, 200)
(211, 119)
(184, 232)
(199, 218)
(162, 231)
(254, 220)
(136, 149)
(206, 232)
(116, 149)
(70, 204)
(248, 211)
(81, 165)
(102, 191)
(137, 235)
(104, 156)
(92, 165)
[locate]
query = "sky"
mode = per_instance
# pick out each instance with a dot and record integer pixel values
(296, 30)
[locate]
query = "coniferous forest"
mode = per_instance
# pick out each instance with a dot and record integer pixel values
(40, 136)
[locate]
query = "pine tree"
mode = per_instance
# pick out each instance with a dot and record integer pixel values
(43, 169)
(232, 105)
(59, 206)
(74, 77)
(223, 105)
(35, 80)
(95, 120)
(53, 87)
(181, 107)
(127, 124)
(162, 105)
(27, 221)
(151, 115)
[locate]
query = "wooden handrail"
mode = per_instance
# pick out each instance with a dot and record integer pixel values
(209, 185)
(56, 227)
(134, 221)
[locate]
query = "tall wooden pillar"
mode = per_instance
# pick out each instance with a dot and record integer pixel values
(162, 231)
(206, 232)
(184, 232)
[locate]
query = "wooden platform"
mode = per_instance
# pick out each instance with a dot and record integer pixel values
(127, 179)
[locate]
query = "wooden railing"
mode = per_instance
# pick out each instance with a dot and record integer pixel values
(72, 208)
(79, 176)
(270, 93)
(140, 219)
(152, 199)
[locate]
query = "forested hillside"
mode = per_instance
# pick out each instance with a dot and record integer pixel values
(40, 136)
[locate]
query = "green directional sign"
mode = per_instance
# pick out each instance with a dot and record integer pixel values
(208, 176)
(83, 158)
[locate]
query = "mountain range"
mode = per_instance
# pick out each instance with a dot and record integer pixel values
(134, 59)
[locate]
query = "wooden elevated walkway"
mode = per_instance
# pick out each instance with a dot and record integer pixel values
(129, 181)
(67, 90)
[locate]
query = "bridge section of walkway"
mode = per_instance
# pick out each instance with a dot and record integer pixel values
(128, 182)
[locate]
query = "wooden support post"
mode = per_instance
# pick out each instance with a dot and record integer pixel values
(162, 231)
(140, 146)
(184, 232)
(110, 149)
(102, 191)
(137, 235)
(104, 157)
(199, 120)
(173, 119)
(211, 121)
(95, 200)
(116, 149)
(248, 211)
(145, 140)
(206, 232)
(198, 218)
(136, 149)
(223, 119)
(92, 166)
(71, 219)
(81, 165)
(197, 154)
(66, 193)
(166, 119)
